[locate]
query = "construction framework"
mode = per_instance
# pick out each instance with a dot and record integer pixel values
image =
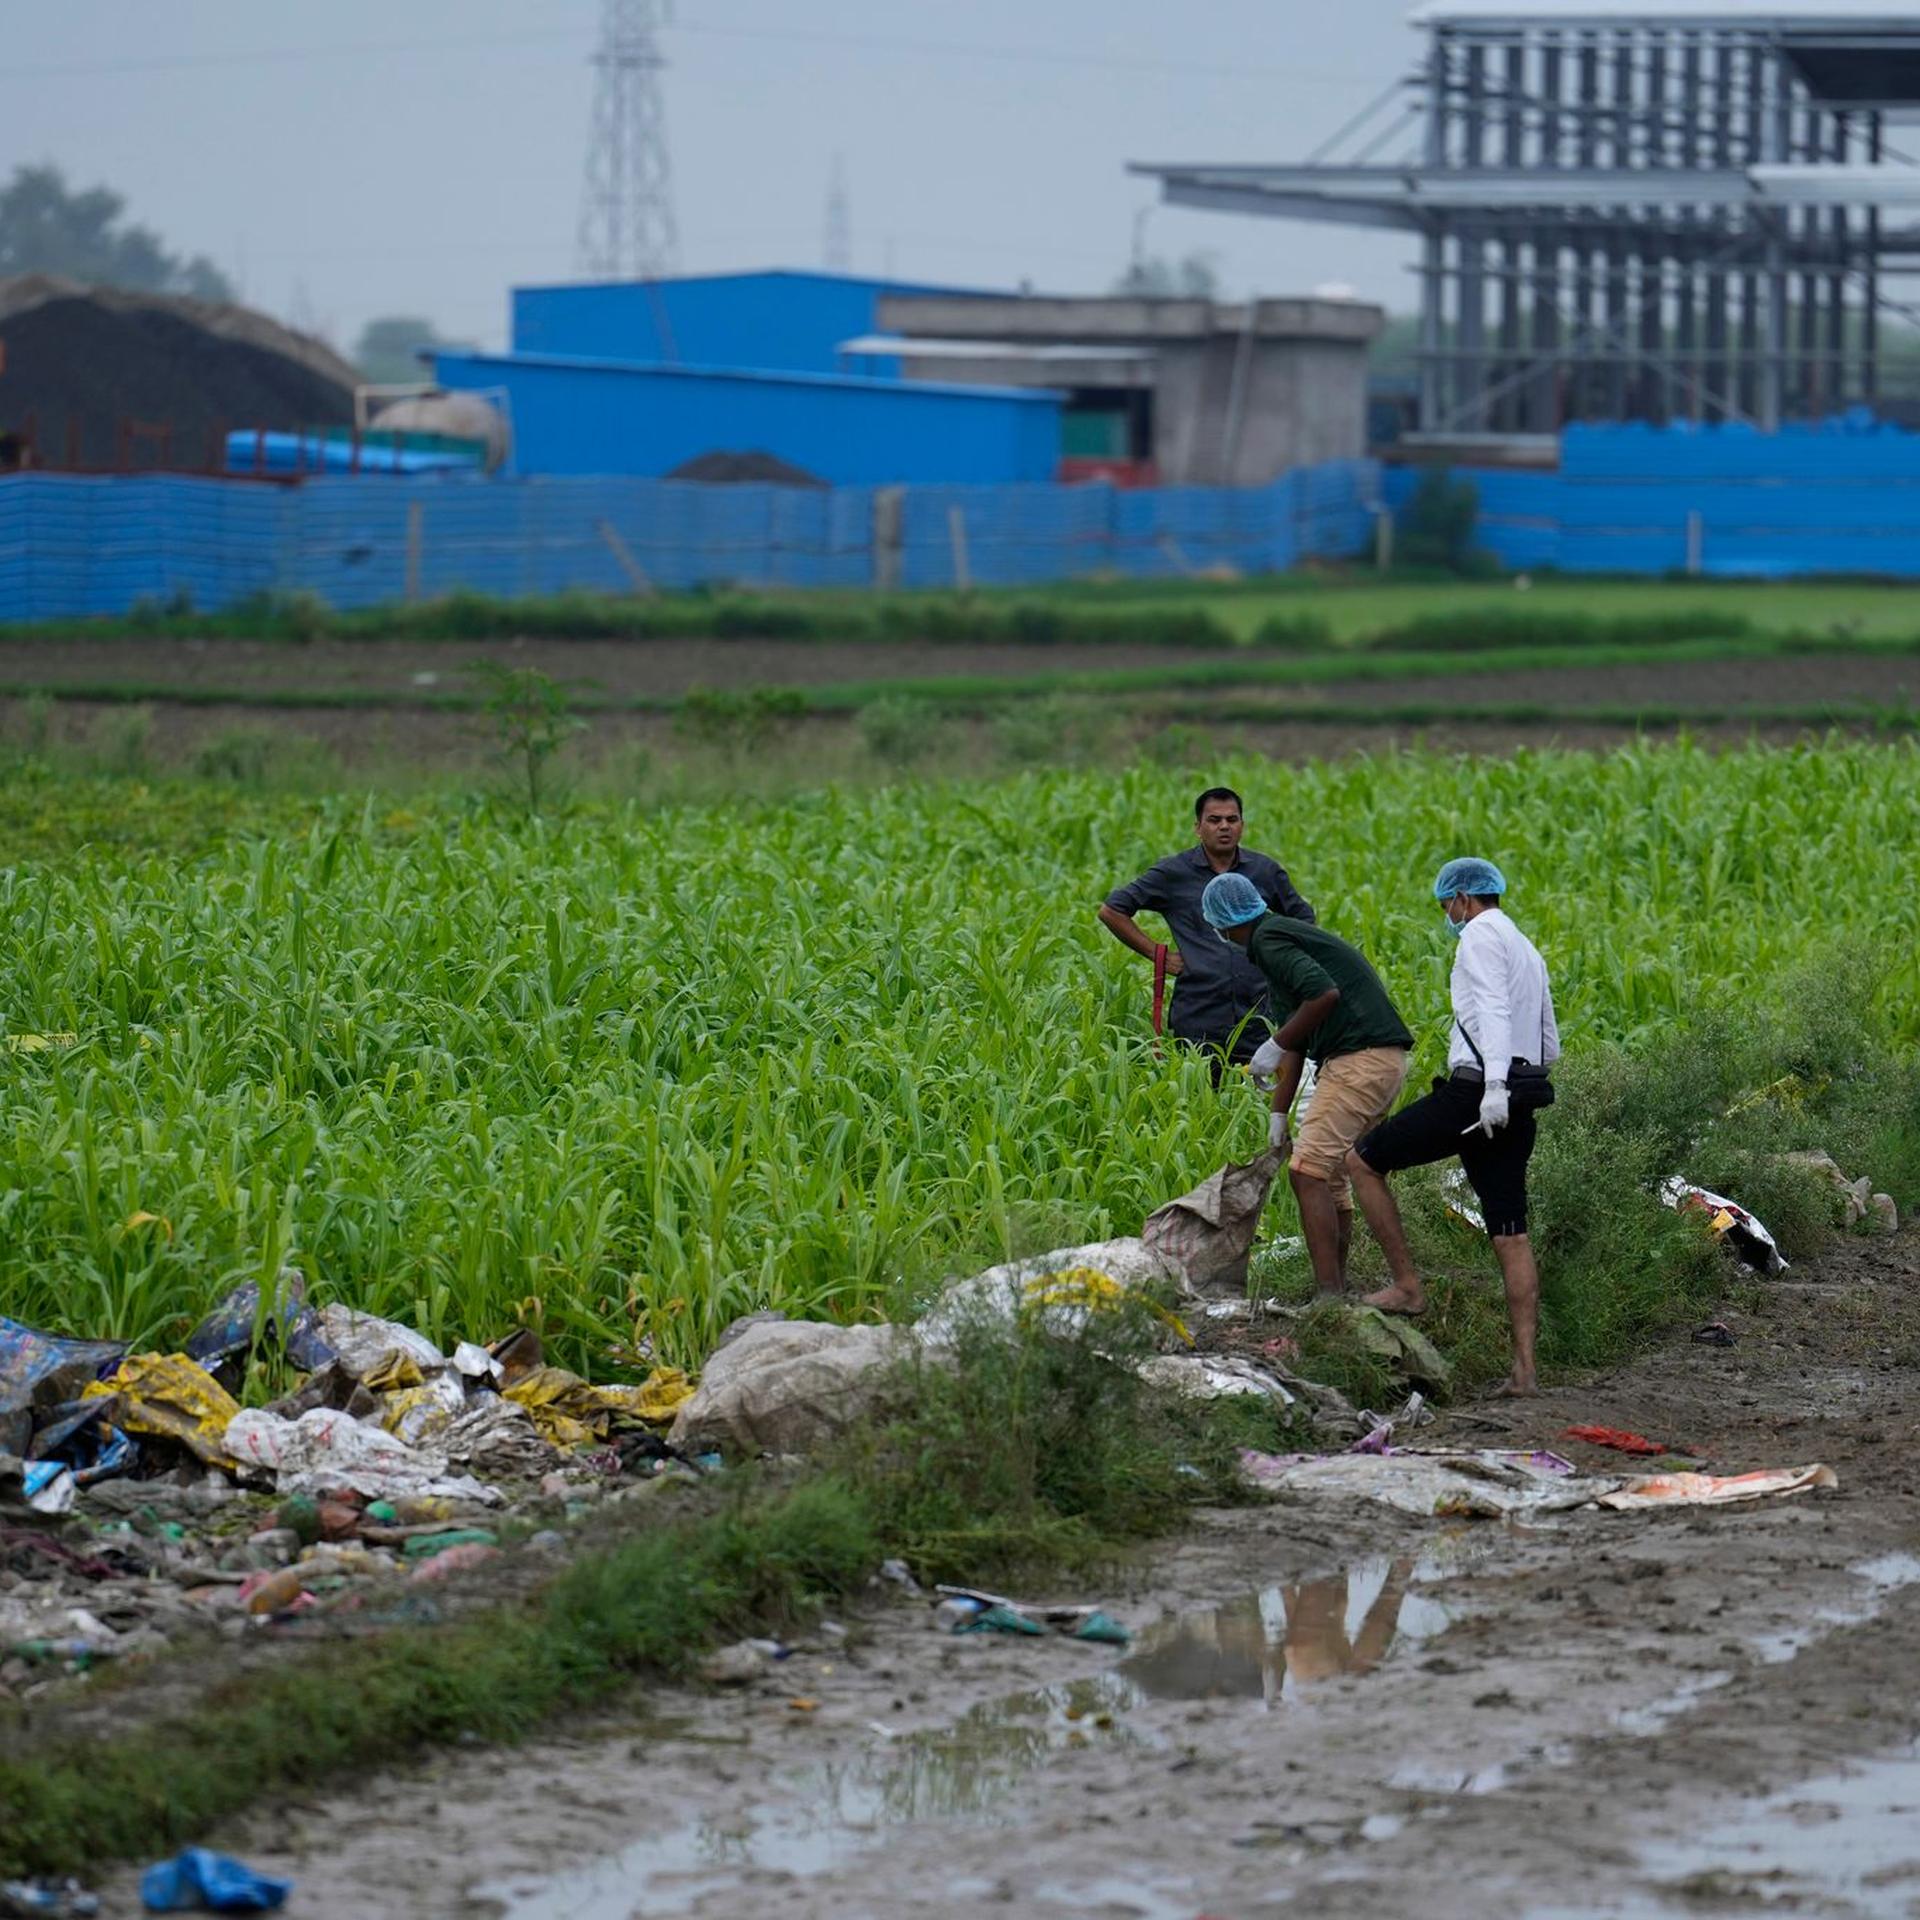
(1689, 213)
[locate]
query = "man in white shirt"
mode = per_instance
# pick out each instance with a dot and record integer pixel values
(1502, 1014)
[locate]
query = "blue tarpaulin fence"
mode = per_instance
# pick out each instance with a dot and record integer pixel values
(1841, 497)
(73, 546)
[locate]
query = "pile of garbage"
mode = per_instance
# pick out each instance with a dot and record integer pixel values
(141, 1502)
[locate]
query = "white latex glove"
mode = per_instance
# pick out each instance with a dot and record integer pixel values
(1493, 1108)
(1266, 1060)
(1277, 1132)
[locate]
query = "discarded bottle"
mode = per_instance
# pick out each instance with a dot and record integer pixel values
(275, 1590)
(424, 1546)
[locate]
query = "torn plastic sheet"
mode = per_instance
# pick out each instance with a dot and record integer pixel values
(224, 1341)
(363, 1340)
(166, 1396)
(1208, 1376)
(1485, 1484)
(1717, 1489)
(1731, 1222)
(324, 1450)
(39, 1370)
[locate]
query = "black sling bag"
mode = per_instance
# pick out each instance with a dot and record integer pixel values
(1529, 1088)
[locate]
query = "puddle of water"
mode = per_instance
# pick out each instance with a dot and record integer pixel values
(826, 1815)
(1854, 1836)
(1268, 1646)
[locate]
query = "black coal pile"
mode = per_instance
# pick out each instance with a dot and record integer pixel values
(76, 370)
(752, 469)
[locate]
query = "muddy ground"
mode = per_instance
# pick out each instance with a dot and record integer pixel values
(1326, 1710)
(665, 669)
(401, 744)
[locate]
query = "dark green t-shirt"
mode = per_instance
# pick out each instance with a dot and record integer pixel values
(1301, 961)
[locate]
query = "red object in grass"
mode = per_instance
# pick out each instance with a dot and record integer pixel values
(1620, 1442)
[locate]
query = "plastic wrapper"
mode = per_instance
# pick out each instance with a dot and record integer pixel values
(1732, 1224)
(226, 1339)
(363, 1340)
(40, 1370)
(1717, 1489)
(570, 1412)
(167, 1396)
(196, 1881)
(324, 1449)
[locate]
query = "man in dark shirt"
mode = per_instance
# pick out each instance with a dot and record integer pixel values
(1333, 1011)
(1217, 986)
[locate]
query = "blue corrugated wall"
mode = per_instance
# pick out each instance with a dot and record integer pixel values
(600, 417)
(1838, 498)
(775, 320)
(72, 545)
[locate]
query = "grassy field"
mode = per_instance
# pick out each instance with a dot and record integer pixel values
(629, 1073)
(1357, 607)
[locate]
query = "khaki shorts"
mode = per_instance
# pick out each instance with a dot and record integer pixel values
(1352, 1097)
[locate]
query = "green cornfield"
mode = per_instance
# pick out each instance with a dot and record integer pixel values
(631, 1073)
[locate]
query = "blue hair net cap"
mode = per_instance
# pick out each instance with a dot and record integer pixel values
(1230, 900)
(1467, 875)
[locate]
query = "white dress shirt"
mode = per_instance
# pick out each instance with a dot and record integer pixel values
(1501, 997)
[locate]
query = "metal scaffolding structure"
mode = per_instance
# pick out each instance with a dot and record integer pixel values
(1690, 213)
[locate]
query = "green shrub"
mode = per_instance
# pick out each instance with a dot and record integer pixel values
(1436, 529)
(896, 729)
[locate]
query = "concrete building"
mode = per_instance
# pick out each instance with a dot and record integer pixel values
(1211, 393)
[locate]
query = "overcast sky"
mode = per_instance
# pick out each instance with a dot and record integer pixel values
(422, 156)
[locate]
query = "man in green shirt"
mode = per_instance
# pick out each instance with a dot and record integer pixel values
(1333, 1011)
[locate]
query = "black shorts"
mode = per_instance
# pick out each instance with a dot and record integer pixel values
(1433, 1128)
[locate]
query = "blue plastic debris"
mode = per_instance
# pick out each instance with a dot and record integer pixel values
(197, 1881)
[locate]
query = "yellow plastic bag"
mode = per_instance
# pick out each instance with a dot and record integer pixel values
(167, 1396)
(568, 1411)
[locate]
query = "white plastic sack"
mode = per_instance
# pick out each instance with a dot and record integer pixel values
(1004, 1293)
(363, 1340)
(325, 1449)
(1210, 1376)
(785, 1385)
(1446, 1486)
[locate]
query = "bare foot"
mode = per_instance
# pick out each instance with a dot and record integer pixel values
(1526, 1389)
(1410, 1301)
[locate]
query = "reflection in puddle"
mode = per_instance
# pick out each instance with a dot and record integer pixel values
(1265, 1646)
(1269, 1645)
(962, 1773)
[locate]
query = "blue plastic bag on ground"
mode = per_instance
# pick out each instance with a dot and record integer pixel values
(197, 1881)
(38, 1370)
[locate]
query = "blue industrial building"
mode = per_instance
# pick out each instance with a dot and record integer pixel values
(780, 321)
(640, 377)
(613, 416)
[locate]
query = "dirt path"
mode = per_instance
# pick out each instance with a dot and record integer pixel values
(413, 670)
(1327, 1710)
